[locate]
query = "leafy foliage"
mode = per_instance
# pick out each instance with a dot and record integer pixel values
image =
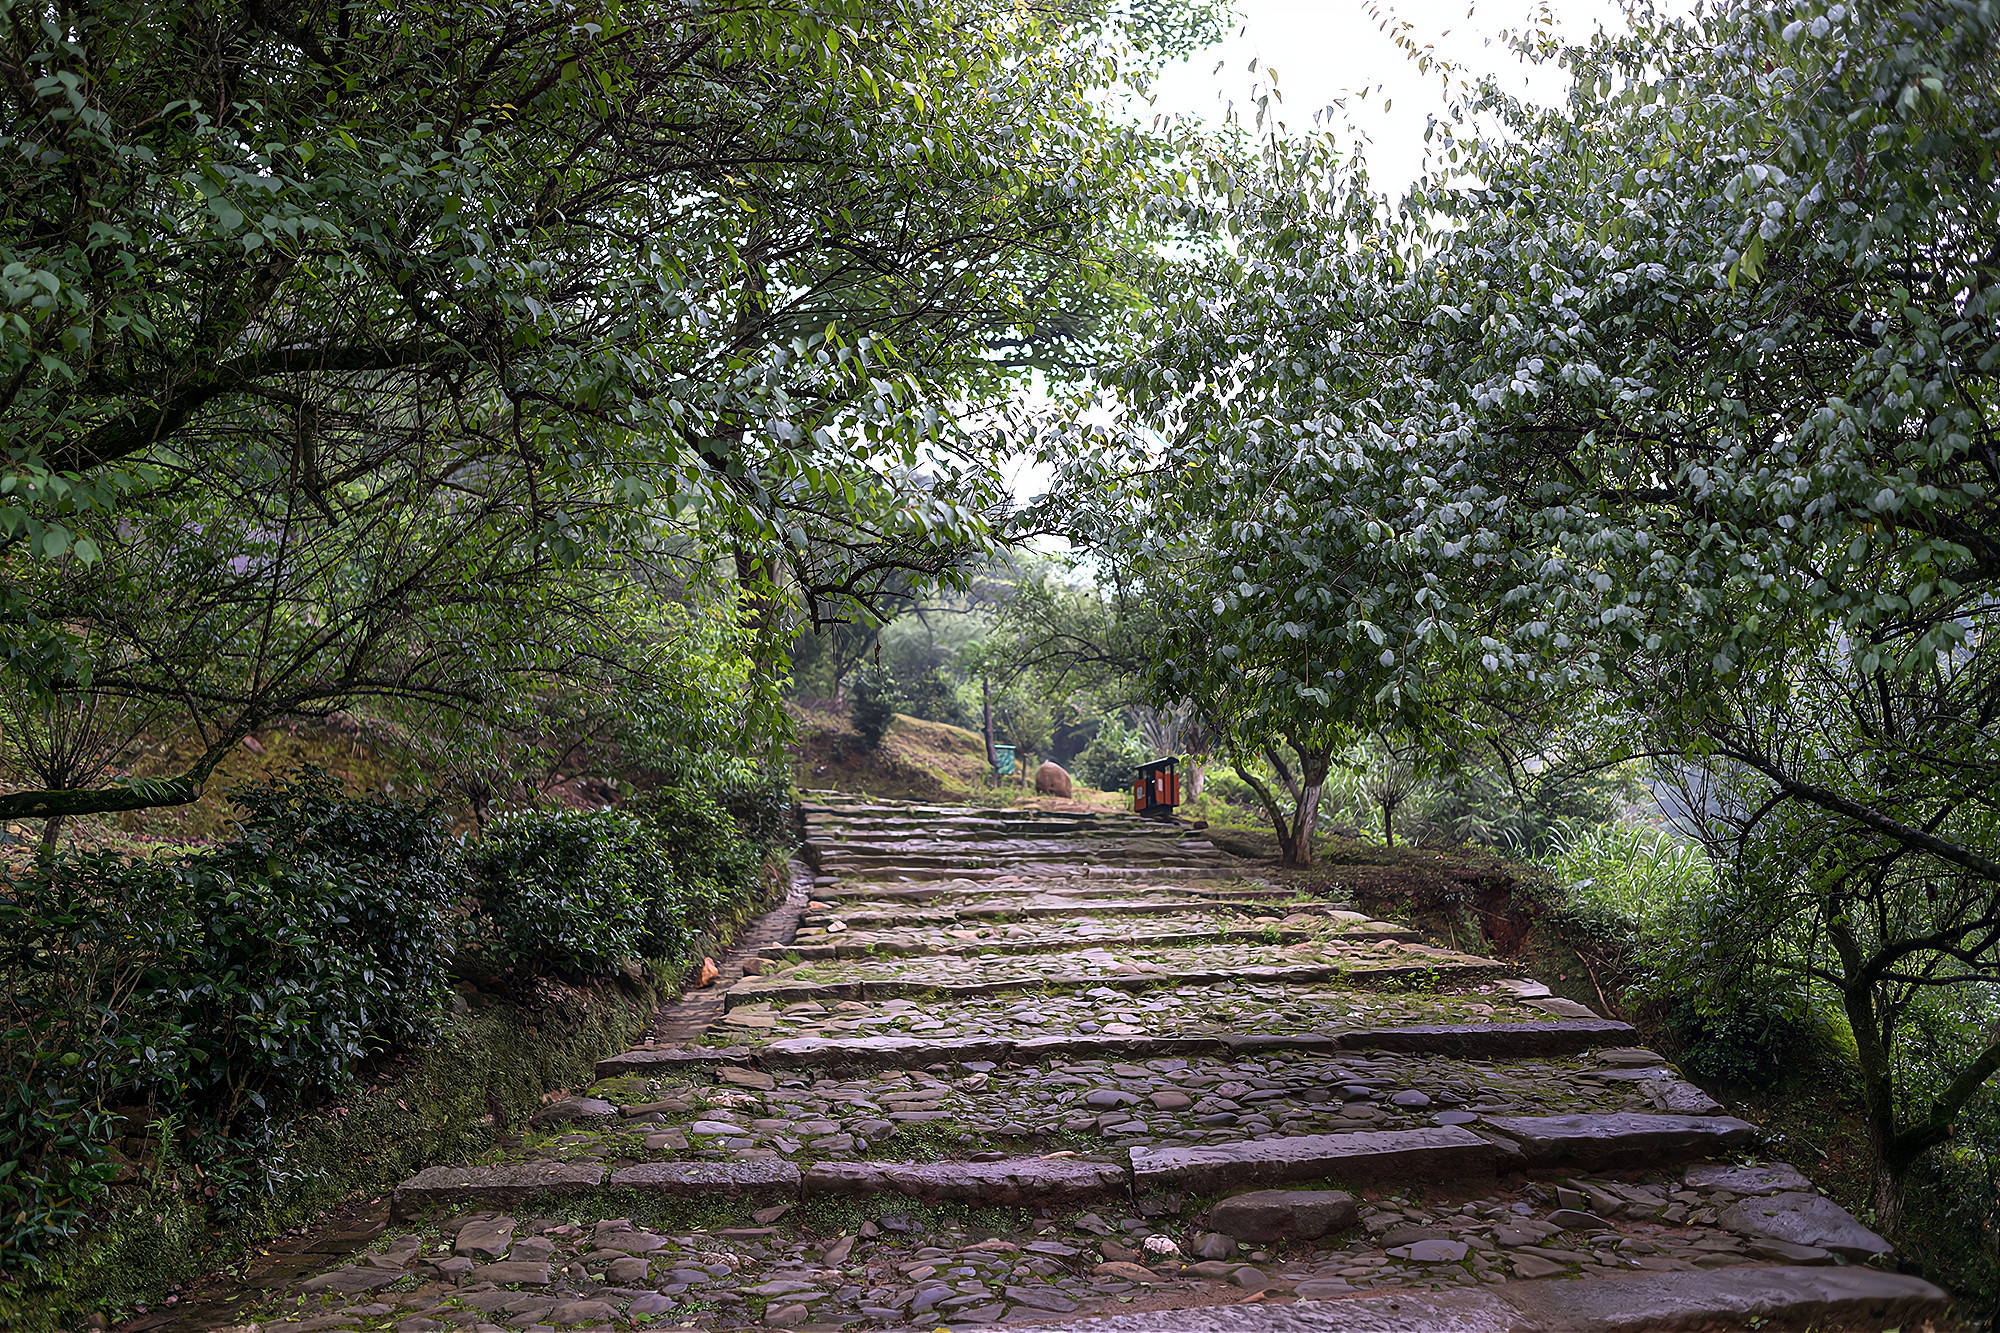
(316, 397)
(229, 988)
(205, 998)
(563, 891)
(1107, 762)
(873, 707)
(1679, 398)
(710, 856)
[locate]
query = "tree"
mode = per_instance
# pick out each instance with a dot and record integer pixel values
(1869, 905)
(1684, 392)
(352, 353)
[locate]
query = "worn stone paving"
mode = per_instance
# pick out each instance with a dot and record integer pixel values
(1245, 1111)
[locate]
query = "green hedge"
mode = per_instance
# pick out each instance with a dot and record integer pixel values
(202, 1002)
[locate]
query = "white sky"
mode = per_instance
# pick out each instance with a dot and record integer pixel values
(1330, 51)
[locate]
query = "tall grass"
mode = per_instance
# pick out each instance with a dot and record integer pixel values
(1642, 874)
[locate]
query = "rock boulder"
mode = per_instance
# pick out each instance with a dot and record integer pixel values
(1052, 779)
(1798, 1218)
(1263, 1216)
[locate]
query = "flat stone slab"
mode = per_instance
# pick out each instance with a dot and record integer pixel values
(1679, 1096)
(1495, 1040)
(1016, 1182)
(1800, 1218)
(574, 1108)
(1475, 1040)
(1735, 1298)
(1769, 1178)
(1620, 1139)
(1731, 1298)
(1441, 1151)
(665, 1060)
(437, 1186)
(352, 1280)
(760, 1176)
(1361, 971)
(887, 1052)
(1262, 1216)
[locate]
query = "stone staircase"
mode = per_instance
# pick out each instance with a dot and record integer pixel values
(1037, 1069)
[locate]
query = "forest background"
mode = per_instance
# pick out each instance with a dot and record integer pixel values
(576, 424)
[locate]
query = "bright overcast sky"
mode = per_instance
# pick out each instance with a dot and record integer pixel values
(1328, 51)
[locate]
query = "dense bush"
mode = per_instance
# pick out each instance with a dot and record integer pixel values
(205, 998)
(385, 873)
(563, 891)
(929, 693)
(872, 706)
(759, 800)
(710, 867)
(225, 990)
(1107, 762)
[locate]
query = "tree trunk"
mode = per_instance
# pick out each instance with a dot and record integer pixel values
(1388, 824)
(986, 709)
(1888, 1198)
(1304, 820)
(1269, 800)
(45, 855)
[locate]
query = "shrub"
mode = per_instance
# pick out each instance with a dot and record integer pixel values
(70, 1038)
(562, 891)
(1640, 873)
(1107, 762)
(759, 800)
(872, 706)
(223, 990)
(386, 872)
(708, 869)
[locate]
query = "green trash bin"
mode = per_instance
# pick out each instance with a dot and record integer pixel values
(1003, 761)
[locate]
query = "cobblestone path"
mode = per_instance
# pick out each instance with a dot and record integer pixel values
(1050, 1069)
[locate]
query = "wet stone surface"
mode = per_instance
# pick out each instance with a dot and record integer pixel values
(1161, 966)
(1085, 1105)
(925, 1267)
(1240, 1007)
(1284, 924)
(941, 1189)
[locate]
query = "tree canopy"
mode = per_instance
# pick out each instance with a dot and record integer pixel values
(394, 352)
(1680, 395)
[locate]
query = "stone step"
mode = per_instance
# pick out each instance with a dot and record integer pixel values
(878, 983)
(1335, 953)
(1086, 1102)
(1248, 1006)
(1101, 849)
(836, 892)
(919, 838)
(1021, 1182)
(950, 815)
(1074, 870)
(1597, 1141)
(820, 946)
(1444, 1151)
(513, 1183)
(1465, 1040)
(1438, 1152)
(1830, 1300)
(885, 831)
(1024, 851)
(1032, 908)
